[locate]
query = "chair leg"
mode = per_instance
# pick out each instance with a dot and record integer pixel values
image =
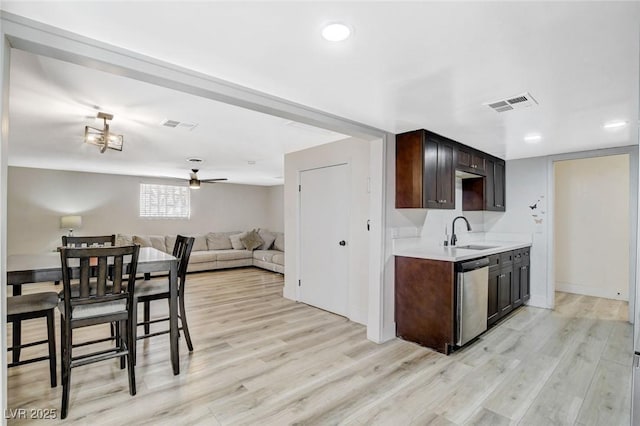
(122, 332)
(51, 336)
(17, 339)
(131, 357)
(185, 327)
(134, 331)
(147, 316)
(66, 368)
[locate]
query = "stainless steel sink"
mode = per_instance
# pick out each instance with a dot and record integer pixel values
(476, 247)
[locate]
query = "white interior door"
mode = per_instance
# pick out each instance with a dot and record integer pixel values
(324, 229)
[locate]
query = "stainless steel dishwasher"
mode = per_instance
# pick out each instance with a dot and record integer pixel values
(472, 291)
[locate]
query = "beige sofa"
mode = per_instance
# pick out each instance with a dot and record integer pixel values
(220, 250)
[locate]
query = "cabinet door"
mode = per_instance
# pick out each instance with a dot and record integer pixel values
(504, 291)
(463, 158)
(478, 163)
(489, 199)
(492, 306)
(499, 186)
(446, 176)
(524, 282)
(430, 173)
(494, 185)
(439, 174)
(516, 288)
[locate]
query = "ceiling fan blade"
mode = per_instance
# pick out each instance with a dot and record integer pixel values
(213, 180)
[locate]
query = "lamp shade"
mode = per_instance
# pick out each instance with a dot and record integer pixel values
(70, 222)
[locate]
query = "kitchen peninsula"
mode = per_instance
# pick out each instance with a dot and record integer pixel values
(428, 295)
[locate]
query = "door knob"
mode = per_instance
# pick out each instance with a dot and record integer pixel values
(343, 243)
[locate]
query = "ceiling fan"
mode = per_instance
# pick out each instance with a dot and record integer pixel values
(194, 182)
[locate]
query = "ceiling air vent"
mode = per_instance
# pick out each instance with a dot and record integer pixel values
(170, 123)
(524, 100)
(174, 124)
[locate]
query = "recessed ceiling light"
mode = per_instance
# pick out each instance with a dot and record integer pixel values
(616, 124)
(336, 31)
(533, 138)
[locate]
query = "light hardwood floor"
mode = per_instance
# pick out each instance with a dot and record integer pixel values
(262, 359)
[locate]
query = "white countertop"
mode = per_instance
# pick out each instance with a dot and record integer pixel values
(428, 249)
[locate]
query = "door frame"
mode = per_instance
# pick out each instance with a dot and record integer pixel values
(632, 151)
(299, 228)
(46, 40)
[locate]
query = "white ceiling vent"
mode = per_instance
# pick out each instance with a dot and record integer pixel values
(174, 124)
(524, 100)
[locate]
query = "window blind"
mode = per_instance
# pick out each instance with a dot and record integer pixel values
(164, 201)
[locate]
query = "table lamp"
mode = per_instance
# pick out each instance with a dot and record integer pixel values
(70, 222)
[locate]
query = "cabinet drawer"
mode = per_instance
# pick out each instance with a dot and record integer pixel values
(494, 261)
(517, 256)
(506, 258)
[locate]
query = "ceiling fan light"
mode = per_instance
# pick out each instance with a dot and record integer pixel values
(194, 184)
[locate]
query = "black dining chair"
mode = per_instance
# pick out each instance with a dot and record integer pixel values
(157, 289)
(99, 240)
(88, 241)
(97, 300)
(27, 307)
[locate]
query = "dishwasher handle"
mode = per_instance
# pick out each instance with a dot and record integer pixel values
(472, 264)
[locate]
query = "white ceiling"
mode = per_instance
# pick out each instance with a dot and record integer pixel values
(409, 65)
(51, 102)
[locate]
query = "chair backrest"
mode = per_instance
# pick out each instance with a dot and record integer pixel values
(100, 240)
(101, 263)
(182, 250)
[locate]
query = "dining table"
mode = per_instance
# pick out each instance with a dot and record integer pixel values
(24, 269)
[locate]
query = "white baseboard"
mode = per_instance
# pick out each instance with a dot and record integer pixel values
(590, 291)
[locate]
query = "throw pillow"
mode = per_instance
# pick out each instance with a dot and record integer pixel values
(235, 241)
(157, 242)
(142, 241)
(268, 238)
(278, 244)
(252, 240)
(170, 242)
(200, 243)
(124, 240)
(218, 241)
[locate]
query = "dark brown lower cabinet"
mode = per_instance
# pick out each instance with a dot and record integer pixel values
(425, 296)
(425, 302)
(508, 283)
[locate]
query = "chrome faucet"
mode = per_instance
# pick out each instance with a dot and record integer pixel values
(454, 239)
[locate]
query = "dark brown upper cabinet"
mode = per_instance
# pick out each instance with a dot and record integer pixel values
(426, 164)
(486, 193)
(425, 171)
(470, 160)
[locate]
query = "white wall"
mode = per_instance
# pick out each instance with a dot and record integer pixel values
(275, 209)
(591, 222)
(110, 204)
(526, 185)
(355, 152)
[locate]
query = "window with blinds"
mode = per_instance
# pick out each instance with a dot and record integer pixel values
(164, 201)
